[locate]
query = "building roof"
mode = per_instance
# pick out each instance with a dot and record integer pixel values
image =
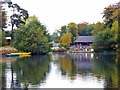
(85, 39)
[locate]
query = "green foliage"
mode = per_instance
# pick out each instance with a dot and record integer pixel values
(86, 30)
(3, 40)
(104, 41)
(97, 28)
(30, 38)
(8, 33)
(63, 30)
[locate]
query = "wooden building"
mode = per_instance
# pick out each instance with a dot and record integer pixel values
(84, 41)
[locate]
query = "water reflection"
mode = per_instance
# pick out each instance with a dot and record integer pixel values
(26, 71)
(105, 67)
(84, 70)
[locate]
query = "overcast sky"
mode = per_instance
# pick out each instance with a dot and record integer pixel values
(56, 13)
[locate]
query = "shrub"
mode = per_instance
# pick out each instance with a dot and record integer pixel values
(62, 49)
(8, 50)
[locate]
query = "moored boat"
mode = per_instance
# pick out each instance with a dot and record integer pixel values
(12, 55)
(22, 53)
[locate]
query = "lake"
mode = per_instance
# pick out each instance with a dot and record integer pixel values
(62, 70)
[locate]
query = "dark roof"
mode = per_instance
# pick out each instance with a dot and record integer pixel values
(85, 39)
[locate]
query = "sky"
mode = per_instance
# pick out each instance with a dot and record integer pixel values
(56, 13)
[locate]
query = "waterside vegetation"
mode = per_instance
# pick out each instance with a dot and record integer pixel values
(32, 36)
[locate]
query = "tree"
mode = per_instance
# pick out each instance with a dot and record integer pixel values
(104, 41)
(80, 26)
(73, 29)
(65, 40)
(111, 14)
(114, 29)
(97, 28)
(18, 18)
(63, 30)
(86, 30)
(30, 37)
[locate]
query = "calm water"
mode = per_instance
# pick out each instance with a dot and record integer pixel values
(62, 71)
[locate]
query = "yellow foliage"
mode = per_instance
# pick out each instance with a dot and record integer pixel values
(55, 36)
(66, 39)
(61, 40)
(116, 45)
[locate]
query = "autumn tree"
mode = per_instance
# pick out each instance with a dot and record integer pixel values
(111, 14)
(65, 40)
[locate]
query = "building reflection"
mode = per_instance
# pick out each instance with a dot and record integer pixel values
(102, 66)
(83, 61)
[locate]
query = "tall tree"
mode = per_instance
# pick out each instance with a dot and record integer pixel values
(18, 18)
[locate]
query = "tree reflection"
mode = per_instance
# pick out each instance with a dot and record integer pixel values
(68, 67)
(103, 66)
(32, 69)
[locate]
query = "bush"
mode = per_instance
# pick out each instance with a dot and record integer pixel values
(8, 50)
(62, 49)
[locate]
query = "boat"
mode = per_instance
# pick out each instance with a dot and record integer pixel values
(22, 53)
(18, 54)
(12, 55)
